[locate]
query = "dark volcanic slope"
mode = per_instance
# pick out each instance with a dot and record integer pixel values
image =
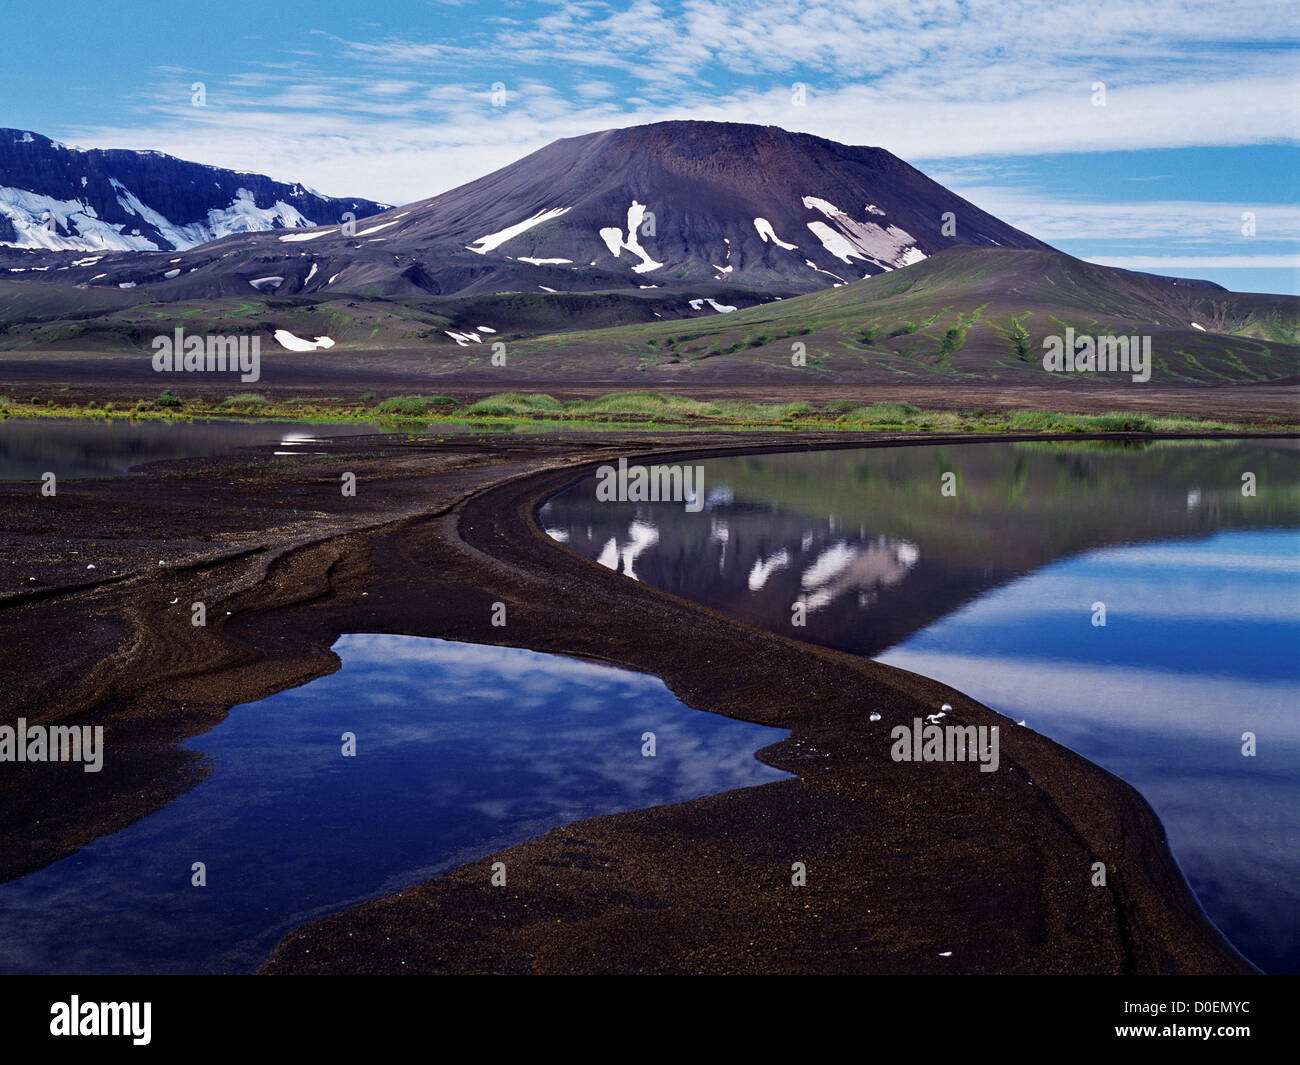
(119, 200)
(751, 208)
(721, 195)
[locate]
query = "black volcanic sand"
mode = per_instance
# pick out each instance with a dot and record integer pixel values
(905, 862)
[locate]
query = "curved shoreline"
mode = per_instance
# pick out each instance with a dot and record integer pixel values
(904, 863)
(689, 457)
(332, 943)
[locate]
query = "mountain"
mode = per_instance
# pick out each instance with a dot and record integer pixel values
(962, 316)
(892, 560)
(115, 200)
(719, 208)
(675, 253)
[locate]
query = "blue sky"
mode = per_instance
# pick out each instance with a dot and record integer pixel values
(1200, 123)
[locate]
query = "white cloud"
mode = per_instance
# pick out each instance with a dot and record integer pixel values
(1190, 222)
(1199, 262)
(398, 119)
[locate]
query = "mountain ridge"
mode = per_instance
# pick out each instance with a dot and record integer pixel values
(964, 315)
(754, 209)
(114, 199)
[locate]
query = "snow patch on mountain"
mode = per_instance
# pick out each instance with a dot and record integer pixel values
(242, 216)
(721, 308)
(376, 229)
(77, 226)
(290, 342)
(848, 239)
(835, 243)
(30, 214)
(617, 243)
(814, 266)
(613, 238)
(494, 240)
(765, 231)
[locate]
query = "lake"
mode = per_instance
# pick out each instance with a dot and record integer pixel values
(460, 750)
(83, 447)
(103, 447)
(984, 565)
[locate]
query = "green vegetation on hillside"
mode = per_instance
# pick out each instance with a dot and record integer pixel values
(964, 314)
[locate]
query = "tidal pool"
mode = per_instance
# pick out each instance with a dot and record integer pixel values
(460, 750)
(1192, 547)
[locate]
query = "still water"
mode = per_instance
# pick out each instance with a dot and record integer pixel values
(78, 447)
(460, 750)
(995, 588)
(81, 447)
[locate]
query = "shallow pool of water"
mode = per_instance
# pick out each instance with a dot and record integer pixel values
(460, 750)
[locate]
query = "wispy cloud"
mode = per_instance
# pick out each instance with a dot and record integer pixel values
(1189, 222)
(1199, 262)
(946, 78)
(404, 117)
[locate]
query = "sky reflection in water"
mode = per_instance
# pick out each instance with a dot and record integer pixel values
(991, 591)
(1201, 644)
(461, 750)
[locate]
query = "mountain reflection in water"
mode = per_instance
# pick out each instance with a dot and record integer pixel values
(993, 591)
